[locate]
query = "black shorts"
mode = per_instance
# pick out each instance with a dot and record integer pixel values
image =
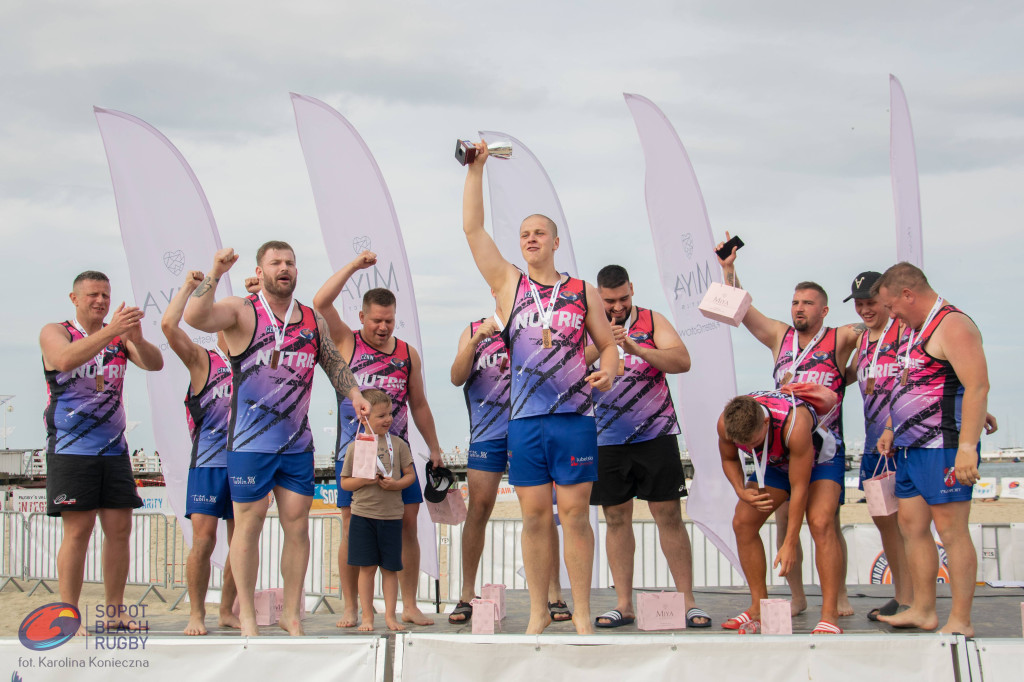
(375, 542)
(650, 470)
(87, 482)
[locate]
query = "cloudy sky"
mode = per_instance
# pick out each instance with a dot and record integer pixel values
(783, 108)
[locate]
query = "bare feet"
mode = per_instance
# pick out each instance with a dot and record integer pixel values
(82, 631)
(797, 605)
(584, 625)
(248, 627)
(228, 620)
(365, 626)
(292, 625)
(348, 618)
(196, 624)
(915, 619)
(538, 624)
(956, 627)
(394, 625)
(845, 607)
(415, 616)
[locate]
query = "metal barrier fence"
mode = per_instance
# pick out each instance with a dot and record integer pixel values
(158, 556)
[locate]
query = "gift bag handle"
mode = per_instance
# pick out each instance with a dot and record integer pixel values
(885, 469)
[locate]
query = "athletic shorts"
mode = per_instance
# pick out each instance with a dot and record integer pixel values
(410, 495)
(832, 470)
(87, 482)
(650, 470)
(868, 464)
(208, 493)
(375, 542)
(552, 447)
(488, 455)
(931, 473)
(251, 475)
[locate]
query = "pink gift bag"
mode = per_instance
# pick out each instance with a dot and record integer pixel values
(776, 617)
(495, 593)
(725, 304)
(269, 604)
(364, 456)
(660, 611)
(451, 512)
(485, 616)
(880, 490)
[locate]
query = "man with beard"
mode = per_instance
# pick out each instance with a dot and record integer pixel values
(379, 359)
(89, 472)
(805, 351)
(274, 348)
(637, 445)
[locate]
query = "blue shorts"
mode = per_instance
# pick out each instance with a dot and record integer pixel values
(488, 455)
(868, 464)
(552, 447)
(832, 470)
(930, 473)
(252, 475)
(411, 495)
(375, 542)
(207, 493)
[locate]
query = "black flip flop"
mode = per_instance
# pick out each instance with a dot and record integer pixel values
(463, 608)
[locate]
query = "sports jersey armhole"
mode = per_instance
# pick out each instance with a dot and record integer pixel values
(778, 351)
(209, 372)
(255, 325)
(942, 319)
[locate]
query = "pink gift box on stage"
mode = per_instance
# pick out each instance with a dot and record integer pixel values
(495, 593)
(485, 616)
(776, 617)
(660, 611)
(269, 604)
(725, 304)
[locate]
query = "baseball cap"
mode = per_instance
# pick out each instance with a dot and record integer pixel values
(439, 481)
(861, 287)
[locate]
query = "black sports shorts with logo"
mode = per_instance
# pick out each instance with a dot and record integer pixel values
(650, 470)
(87, 482)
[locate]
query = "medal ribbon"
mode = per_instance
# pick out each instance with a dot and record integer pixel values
(928, 320)
(810, 346)
(545, 315)
(99, 357)
(279, 332)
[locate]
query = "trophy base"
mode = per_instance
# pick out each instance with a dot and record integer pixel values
(465, 152)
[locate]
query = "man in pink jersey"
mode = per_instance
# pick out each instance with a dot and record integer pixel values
(637, 445)
(208, 498)
(552, 436)
(777, 430)
(89, 473)
(806, 351)
(379, 360)
(937, 412)
(275, 344)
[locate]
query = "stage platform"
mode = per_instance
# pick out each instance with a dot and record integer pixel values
(997, 614)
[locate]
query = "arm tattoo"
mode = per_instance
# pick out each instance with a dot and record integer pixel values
(730, 279)
(207, 284)
(333, 364)
(860, 327)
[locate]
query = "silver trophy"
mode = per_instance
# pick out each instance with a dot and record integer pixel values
(465, 152)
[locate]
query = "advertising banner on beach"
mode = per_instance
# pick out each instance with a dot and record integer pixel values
(356, 213)
(520, 187)
(168, 229)
(683, 245)
(906, 192)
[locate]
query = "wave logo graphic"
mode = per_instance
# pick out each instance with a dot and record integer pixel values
(49, 626)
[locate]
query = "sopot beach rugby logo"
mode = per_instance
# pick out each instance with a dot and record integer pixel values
(49, 626)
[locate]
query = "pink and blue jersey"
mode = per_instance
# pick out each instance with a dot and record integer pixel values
(388, 372)
(79, 419)
(270, 407)
(819, 367)
(487, 389)
(926, 411)
(779, 406)
(886, 375)
(208, 414)
(639, 405)
(548, 380)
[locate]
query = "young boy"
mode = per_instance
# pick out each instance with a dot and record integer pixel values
(375, 532)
